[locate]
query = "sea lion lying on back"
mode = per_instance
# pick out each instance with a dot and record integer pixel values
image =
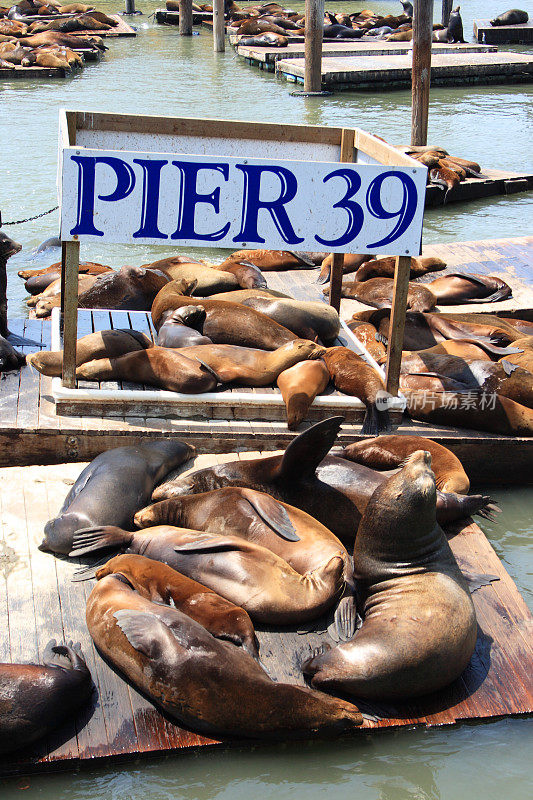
(456, 287)
(378, 292)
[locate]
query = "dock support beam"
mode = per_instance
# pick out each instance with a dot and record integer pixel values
(397, 323)
(70, 264)
(185, 12)
(219, 27)
(335, 281)
(314, 30)
(446, 11)
(422, 34)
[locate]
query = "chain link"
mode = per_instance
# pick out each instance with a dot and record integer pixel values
(30, 219)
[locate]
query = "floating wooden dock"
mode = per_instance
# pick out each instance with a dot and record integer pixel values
(496, 182)
(503, 34)
(122, 29)
(32, 433)
(266, 57)
(381, 73)
(164, 17)
(34, 72)
(38, 601)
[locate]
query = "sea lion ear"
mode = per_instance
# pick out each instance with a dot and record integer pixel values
(145, 632)
(305, 453)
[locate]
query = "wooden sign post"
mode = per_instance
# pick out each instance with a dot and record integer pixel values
(335, 283)
(422, 34)
(219, 27)
(185, 12)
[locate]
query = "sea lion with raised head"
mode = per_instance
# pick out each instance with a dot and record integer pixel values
(182, 328)
(112, 488)
(248, 275)
(378, 292)
(299, 385)
(419, 630)
(389, 452)
(35, 699)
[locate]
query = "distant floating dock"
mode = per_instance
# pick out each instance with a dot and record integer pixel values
(496, 182)
(39, 601)
(485, 33)
(39, 73)
(122, 29)
(381, 73)
(164, 17)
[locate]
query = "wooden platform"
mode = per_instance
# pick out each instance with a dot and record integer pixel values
(266, 57)
(503, 34)
(381, 73)
(34, 72)
(122, 29)
(496, 182)
(38, 601)
(164, 17)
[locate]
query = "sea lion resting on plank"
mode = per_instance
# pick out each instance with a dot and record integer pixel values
(385, 267)
(419, 629)
(39, 279)
(10, 359)
(201, 681)
(367, 334)
(182, 328)
(51, 296)
(35, 699)
(331, 489)
(378, 292)
(456, 287)
(112, 487)
(273, 260)
(299, 385)
(513, 17)
(389, 452)
(208, 281)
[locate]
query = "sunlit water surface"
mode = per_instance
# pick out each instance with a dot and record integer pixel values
(163, 73)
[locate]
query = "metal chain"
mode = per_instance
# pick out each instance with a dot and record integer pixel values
(29, 219)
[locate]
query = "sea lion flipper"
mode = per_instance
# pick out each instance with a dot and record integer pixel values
(377, 421)
(508, 367)
(211, 544)
(325, 274)
(302, 257)
(346, 619)
(145, 632)
(86, 540)
(308, 449)
(272, 513)
(476, 580)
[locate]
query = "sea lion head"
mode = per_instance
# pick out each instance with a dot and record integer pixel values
(8, 246)
(307, 349)
(418, 476)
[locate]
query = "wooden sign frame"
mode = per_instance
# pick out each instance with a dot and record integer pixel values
(354, 145)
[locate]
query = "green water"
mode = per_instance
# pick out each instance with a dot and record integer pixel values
(163, 73)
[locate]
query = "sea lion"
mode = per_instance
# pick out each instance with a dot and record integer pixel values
(225, 322)
(162, 367)
(245, 366)
(513, 17)
(8, 248)
(513, 326)
(253, 26)
(457, 287)
(37, 280)
(419, 630)
(401, 36)
(244, 294)
(78, 43)
(35, 699)
(389, 452)
(352, 375)
(52, 294)
(475, 410)
(138, 582)
(245, 573)
(442, 176)
(268, 39)
(208, 684)
(524, 357)
(332, 490)
(351, 263)
(342, 32)
(102, 344)
(247, 274)
(182, 328)
(299, 385)
(455, 27)
(378, 292)
(385, 267)
(273, 260)
(367, 334)
(10, 359)
(208, 281)
(112, 488)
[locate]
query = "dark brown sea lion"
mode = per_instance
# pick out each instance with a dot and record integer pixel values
(384, 267)
(103, 344)
(8, 248)
(477, 411)
(182, 328)
(367, 335)
(457, 287)
(112, 488)
(244, 294)
(225, 322)
(455, 27)
(247, 574)
(268, 39)
(442, 176)
(331, 489)
(524, 358)
(162, 367)
(419, 629)
(138, 582)
(272, 260)
(307, 319)
(299, 385)
(248, 275)
(10, 359)
(511, 325)
(35, 699)
(513, 17)
(389, 452)
(378, 292)
(351, 263)
(205, 683)
(51, 296)
(460, 348)
(352, 375)
(38, 280)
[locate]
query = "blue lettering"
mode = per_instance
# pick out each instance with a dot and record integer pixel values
(353, 209)
(405, 213)
(276, 208)
(150, 200)
(86, 190)
(189, 198)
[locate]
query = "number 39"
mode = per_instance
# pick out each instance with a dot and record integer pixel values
(374, 205)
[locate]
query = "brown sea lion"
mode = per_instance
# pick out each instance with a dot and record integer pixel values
(401, 36)
(245, 366)
(245, 573)
(442, 176)
(367, 334)
(244, 294)
(419, 630)
(351, 263)
(352, 375)
(140, 582)
(475, 410)
(112, 488)
(208, 281)
(272, 260)
(457, 287)
(331, 489)
(389, 452)
(510, 325)
(205, 683)
(460, 348)
(430, 383)
(57, 37)
(299, 385)
(253, 26)
(182, 328)
(524, 358)
(53, 292)
(35, 699)
(268, 39)
(248, 275)
(378, 292)
(513, 17)
(8, 248)
(384, 267)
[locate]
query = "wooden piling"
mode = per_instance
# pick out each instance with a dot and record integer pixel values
(185, 11)
(446, 11)
(70, 268)
(219, 32)
(421, 70)
(314, 30)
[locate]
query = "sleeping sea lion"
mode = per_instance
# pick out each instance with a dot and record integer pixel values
(351, 263)
(273, 260)
(52, 293)
(457, 287)
(182, 328)
(389, 452)
(299, 385)
(208, 281)
(513, 17)
(477, 411)
(37, 280)
(419, 630)
(112, 488)
(455, 27)
(268, 39)
(384, 267)
(8, 248)
(378, 292)
(247, 274)
(35, 699)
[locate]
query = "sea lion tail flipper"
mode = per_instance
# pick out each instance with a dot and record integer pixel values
(346, 620)
(380, 337)
(144, 631)
(376, 421)
(303, 258)
(476, 580)
(87, 540)
(272, 513)
(209, 369)
(308, 449)
(487, 511)
(325, 274)
(508, 367)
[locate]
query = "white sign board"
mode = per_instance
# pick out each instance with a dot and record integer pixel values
(212, 201)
